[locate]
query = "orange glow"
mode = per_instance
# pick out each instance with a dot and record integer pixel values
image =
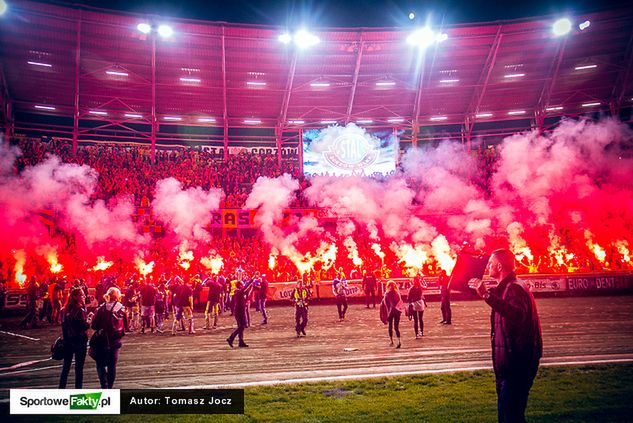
(102, 264)
(18, 269)
(214, 262)
(272, 261)
(56, 267)
(142, 267)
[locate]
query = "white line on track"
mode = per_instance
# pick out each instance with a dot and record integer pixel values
(19, 336)
(24, 364)
(578, 361)
(30, 370)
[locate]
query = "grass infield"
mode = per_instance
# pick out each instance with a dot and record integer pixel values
(601, 393)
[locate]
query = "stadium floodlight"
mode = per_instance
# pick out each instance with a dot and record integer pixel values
(554, 109)
(3, 7)
(364, 121)
(385, 83)
(285, 38)
(98, 112)
(328, 122)
(438, 118)
(296, 122)
(561, 27)
(395, 120)
(304, 39)
(584, 67)
(44, 65)
(584, 25)
(441, 37)
(206, 120)
(40, 107)
(190, 80)
(144, 27)
(422, 37)
(483, 115)
(133, 115)
(596, 103)
(256, 83)
(165, 31)
(411, 16)
(516, 112)
(173, 118)
(320, 84)
(252, 121)
(116, 73)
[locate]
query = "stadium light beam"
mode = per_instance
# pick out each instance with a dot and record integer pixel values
(561, 27)
(585, 67)
(165, 31)
(483, 115)
(422, 38)
(116, 73)
(285, 38)
(173, 118)
(144, 27)
(3, 7)
(514, 75)
(304, 39)
(554, 109)
(328, 122)
(438, 118)
(40, 107)
(45, 65)
(584, 25)
(448, 81)
(320, 84)
(590, 104)
(395, 120)
(98, 112)
(516, 112)
(385, 83)
(364, 121)
(133, 115)
(296, 122)
(206, 120)
(190, 80)
(252, 121)
(255, 83)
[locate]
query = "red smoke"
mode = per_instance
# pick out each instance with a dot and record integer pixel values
(561, 201)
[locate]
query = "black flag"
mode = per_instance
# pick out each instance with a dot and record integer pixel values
(467, 266)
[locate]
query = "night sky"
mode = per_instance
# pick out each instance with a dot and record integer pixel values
(333, 13)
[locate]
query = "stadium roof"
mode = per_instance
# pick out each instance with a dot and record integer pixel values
(209, 79)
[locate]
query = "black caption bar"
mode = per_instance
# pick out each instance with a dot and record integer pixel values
(182, 401)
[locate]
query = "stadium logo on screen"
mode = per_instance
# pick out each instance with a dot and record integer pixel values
(351, 152)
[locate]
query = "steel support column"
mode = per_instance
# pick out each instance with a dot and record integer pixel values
(278, 134)
(548, 86)
(350, 102)
(301, 150)
(621, 84)
(286, 100)
(154, 125)
(225, 114)
(482, 85)
(76, 103)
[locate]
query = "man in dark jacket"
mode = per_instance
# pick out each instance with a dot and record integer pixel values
(445, 295)
(517, 345)
(240, 296)
(369, 286)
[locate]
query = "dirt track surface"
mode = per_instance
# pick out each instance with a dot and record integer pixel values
(585, 329)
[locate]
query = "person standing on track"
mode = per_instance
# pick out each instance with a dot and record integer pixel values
(300, 296)
(445, 295)
(369, 287)
(75, 325)
(239, 311)
(393, 304)
(339, 285)
(517, 344)
(417, 305)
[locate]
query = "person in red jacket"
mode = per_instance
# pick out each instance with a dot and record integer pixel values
(517, 344)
